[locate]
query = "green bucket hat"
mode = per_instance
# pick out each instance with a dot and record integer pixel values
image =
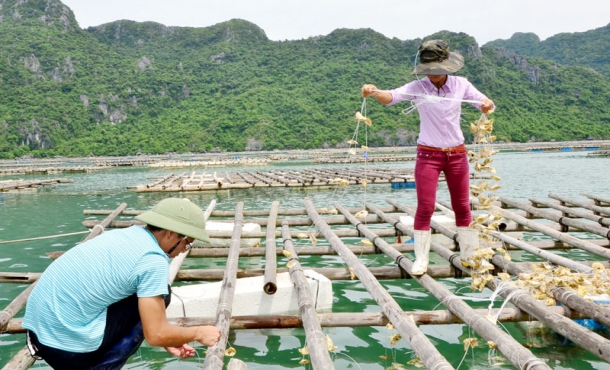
(435, 59)
(177, 215)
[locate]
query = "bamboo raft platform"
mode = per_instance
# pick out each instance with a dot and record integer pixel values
(564, 220)
(315, 177)
(362, 159)
(17, 185)
(227, 162)
(276, 178)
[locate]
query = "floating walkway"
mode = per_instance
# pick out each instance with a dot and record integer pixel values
(570, 291)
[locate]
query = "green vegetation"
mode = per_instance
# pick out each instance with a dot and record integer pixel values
(126, 86)
(586, 49)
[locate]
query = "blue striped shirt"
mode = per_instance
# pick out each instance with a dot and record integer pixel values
(67, 308)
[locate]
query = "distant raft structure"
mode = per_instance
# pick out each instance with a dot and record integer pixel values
(219, 162)
(49, 170)
(25, 185)
(320, 177)
(369, 158)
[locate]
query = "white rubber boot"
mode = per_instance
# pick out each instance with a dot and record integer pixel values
(421, 240)
(469, 243)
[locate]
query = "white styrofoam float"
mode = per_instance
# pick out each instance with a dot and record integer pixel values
(227, 228)
(201, 300)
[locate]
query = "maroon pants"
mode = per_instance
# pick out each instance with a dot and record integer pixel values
(454, 165)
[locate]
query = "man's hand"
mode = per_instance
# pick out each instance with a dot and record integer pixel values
(183, 351)
(208, 335)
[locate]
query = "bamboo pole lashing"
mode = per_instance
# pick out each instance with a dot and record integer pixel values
(598, 199)
(270, 285)
(425, 350)
(318, 350)
(505, 343)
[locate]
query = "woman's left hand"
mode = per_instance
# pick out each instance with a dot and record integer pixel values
(183, 351)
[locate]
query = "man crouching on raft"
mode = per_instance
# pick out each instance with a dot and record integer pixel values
(94, 306)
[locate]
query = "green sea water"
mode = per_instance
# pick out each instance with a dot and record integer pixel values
(58, 209)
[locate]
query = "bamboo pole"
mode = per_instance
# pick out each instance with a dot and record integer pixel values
(19, 277)
(215, 354)
(22, 360)
(348, 319)
(506, 344)
(15, 306)
(596, 209)
(332, 220)
(236, 364)
(98, 229)
(270, 286)
(249, 213)
(572, 212)
(43, 237)
(381, 273)
(564, 221)
(336, 273)
(160, 181)
(318, 350)
(246, 179)
(425, 350)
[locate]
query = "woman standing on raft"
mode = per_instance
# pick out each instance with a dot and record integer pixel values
(438, 98)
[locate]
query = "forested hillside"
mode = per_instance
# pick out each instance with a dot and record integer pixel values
(126, 87)
(587, 49)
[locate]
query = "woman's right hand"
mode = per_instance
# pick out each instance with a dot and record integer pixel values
(368, 90)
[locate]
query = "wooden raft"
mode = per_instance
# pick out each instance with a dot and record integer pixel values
(562, 216)
(10, 185)
(276, 178)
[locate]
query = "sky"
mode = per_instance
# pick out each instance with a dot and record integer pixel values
(485, 20)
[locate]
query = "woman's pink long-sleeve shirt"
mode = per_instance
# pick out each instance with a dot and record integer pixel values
(439, 120)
